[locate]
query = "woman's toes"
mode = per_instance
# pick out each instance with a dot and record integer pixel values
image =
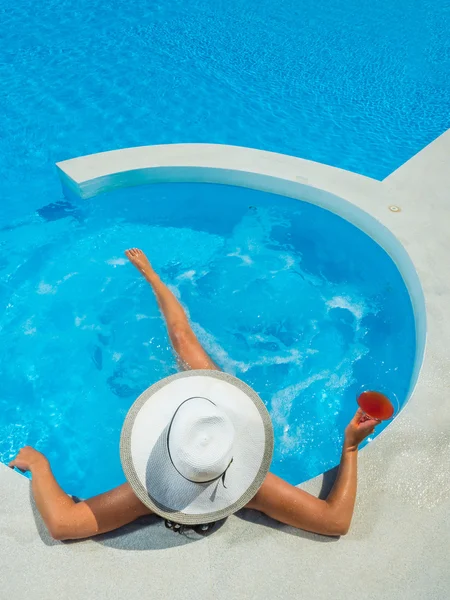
(133, 253)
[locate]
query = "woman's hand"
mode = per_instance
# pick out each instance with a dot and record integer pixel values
(358, 429)
(28, 458)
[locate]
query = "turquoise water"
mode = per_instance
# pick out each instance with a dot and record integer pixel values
(291, 298)
(362, 86)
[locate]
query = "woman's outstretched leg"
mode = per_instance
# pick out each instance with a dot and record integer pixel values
(184, 340)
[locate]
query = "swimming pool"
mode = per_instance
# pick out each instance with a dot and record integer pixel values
(293, 299)
(362, 87)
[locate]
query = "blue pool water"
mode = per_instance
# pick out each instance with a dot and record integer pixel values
(284, 297)
(362, 86)
(291, 298)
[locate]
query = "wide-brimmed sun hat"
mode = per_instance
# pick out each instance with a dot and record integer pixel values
(196, 446)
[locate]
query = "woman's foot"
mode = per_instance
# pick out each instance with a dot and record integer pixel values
(140, 261)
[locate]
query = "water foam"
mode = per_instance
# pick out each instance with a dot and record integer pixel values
(245, 258)
(116, 262)
(283, 400)
(358, 308)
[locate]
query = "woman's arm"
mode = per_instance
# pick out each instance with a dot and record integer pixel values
(293, 506)
(66, 519)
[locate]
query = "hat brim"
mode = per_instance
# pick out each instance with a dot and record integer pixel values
(146, 461)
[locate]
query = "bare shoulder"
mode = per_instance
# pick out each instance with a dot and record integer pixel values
(121, 499)
(110, 510)
(274, 492)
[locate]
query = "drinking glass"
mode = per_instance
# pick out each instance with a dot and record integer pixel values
(378, 404)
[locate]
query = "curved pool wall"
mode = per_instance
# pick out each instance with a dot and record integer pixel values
(351, 196)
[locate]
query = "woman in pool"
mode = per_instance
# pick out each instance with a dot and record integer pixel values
(233, 485)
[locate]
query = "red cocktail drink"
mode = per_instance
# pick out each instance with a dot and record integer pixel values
(376, 405)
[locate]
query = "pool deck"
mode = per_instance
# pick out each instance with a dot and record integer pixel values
(400, 537)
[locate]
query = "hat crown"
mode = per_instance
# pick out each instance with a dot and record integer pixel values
(200, 440)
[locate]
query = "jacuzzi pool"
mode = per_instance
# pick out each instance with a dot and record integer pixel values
(295, 300)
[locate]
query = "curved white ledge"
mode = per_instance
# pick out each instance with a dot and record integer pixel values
(351, 196)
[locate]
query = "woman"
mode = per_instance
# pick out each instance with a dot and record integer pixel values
(66, 519)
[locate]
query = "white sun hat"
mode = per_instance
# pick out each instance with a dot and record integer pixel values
(196, 446)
